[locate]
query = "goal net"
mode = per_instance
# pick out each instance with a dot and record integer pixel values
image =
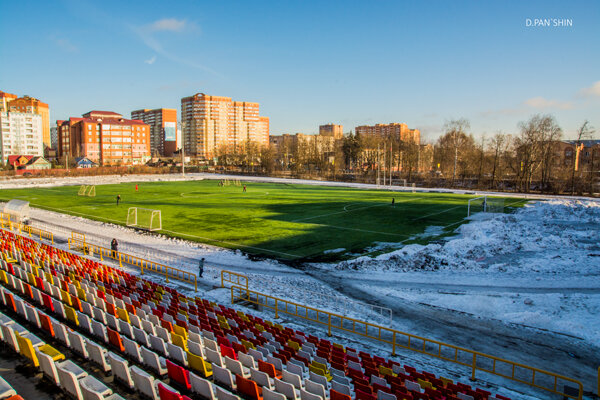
(485, 204)
(87, 190)
(144, 218)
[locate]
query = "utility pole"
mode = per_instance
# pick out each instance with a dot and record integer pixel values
(378, 164)
(391, 163)
(183, 149)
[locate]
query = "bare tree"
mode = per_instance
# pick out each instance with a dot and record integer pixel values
(584, 132)
(456, 130)
(497, 144)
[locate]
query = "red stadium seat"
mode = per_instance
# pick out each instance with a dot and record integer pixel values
(335, 395)
(248, 388)
(166, 394)
(179, 375)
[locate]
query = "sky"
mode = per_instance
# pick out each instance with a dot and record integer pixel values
(309, 63)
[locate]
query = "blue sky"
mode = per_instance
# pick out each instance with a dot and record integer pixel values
(311, 62)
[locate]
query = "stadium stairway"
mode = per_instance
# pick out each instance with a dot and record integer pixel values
(159, 343)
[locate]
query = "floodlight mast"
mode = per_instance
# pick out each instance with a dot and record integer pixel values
(183, 150)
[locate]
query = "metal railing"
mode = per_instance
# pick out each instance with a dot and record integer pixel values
(143, 264)
(475, 360)
(227, 276)
(30, 230)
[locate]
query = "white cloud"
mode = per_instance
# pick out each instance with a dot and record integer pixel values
(65, 44)
(542, 103)
(151, 60)
(168, 24)
(591, 91)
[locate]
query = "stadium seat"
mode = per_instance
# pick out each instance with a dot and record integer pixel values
(48, 366)
(154, 361)
(177, 353)
(341, 388)
(144, 383)
(99, 355)
(202, 387)
(248, 388)
(159, 345)
(77, 343)
(304, 395)
(6, 390)
(132, 349)
(286, 389)
(315, 388)
(261, 378)
(236, 367)
(198, 364)
(269, 369)
(120, 369)
(167, 393)
(68, 379)
(179, 375)
(93, 389)
(223, 376)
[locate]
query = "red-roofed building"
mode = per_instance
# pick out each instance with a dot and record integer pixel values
(104, 137)
(23, 164)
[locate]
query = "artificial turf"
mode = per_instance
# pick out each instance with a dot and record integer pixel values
(283, 221)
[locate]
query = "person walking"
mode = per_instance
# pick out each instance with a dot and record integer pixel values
(118, 199)
(136, 187)
(244, 188)
(393, 201)
(114, 246)
(201, 267)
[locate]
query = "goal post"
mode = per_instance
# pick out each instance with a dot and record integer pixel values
(144, 218)
(87, 190)
(485, 204)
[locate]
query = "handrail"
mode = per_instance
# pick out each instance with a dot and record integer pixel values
(141, 263)
(448, 352)
(43, 234)
(226, 276)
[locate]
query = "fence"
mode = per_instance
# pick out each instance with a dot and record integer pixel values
(227, 276)
(30, 230)
(141, 263)
(477, 361)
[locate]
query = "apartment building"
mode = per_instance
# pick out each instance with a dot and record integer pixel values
(394, 131)
(332, 130)
(163, 129)
(27, 104)
(104, 137)
(215, 123)
(20, 133)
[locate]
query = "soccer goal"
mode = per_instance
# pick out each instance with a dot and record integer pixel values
(485, 204)
(144, 218)
(87, 190)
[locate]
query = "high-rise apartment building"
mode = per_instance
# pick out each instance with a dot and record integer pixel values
(163, 129)
(26, 104)
(106, 138)
(332, 130)
(21, 133)
(394, 130)
(212, 124)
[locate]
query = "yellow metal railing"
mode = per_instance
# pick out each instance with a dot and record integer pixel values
(475, 360)
(5, 222)
(143, 264)
(228, 276)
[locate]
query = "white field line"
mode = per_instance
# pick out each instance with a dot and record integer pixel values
(437, 213)
(356, 209)
(359, 230)
(230, 243)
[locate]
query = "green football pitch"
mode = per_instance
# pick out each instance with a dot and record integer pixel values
(283, 221)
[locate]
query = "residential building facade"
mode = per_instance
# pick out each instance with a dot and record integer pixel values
(333, 130)
(215, 124)
(394, 131)
(20, 133)
(163, 129)
(26, 104)
(105, 138)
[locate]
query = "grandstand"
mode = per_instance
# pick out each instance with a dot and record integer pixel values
(157, 343)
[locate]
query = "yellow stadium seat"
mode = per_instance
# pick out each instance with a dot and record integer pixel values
(383, 370)
(180, 330)
(123, 314)
(294, 345)
(319, 371)
(179, 340)
(81, 294)
(52, 352)
(3, 276)
(65, 297)
(248, 345)
(49, 277)
(26, 348)
(30, 278)
(446, 380)
(424, 384)
(198, 364)
(71, 315)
